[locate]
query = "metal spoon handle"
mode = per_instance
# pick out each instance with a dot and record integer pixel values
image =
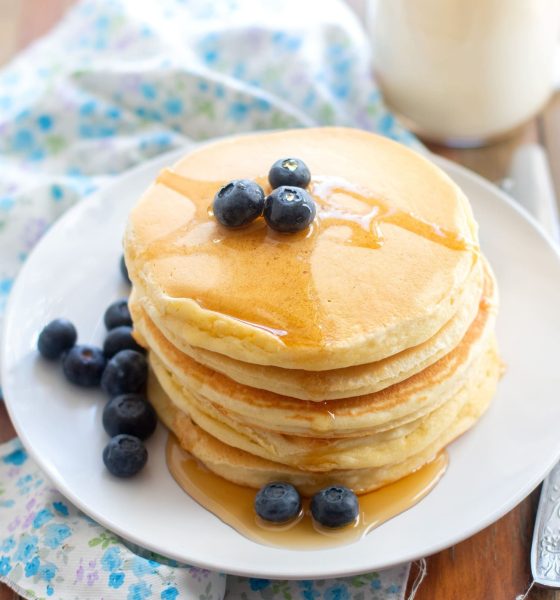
(545, 551)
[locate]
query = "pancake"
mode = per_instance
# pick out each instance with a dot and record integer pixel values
(383, 268)
(350, 353)
(320, 385)
(356, 416)
(327, 454)
(247, 469)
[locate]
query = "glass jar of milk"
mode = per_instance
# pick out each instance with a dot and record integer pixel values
(464, 72)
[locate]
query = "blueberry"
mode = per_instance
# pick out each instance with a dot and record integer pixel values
(124, 270)
(289, 171)
(120, 338)
(289, 209)
(277, 502)
(117, 314)
(57, 337)
(335, 506)
(125, 455)
(238, 203)
(125, 373)
(83, 365)
(129, 413)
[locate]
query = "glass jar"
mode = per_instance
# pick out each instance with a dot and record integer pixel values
(464, 72)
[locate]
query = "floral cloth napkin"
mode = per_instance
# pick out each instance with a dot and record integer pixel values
(116, 83)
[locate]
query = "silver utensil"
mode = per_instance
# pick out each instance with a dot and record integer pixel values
(530, 183)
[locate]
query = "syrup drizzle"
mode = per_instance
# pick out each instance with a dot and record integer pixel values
(233, 503)
(277, 268)
(323, 189)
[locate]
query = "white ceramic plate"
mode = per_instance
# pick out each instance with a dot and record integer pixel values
(74, 273)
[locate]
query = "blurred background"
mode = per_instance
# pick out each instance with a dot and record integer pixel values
(37, 15)
(21, 21)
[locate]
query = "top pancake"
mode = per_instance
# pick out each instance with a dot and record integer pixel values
(380, 270)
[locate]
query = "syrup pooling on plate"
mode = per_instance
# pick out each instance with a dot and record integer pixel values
(257, 259)
(233, 503)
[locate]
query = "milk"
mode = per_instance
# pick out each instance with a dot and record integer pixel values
(464, 70)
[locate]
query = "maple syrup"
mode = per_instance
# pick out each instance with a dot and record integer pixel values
(235, 265)
(233, 503)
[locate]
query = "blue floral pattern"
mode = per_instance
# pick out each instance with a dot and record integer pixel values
(110, 87)
(49, 549)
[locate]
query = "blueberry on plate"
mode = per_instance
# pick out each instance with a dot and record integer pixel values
(238, 203)
(125, 455)
(125, 373)
(335, 506)
(120, 338)
(56, 337)
(289, 209)
(84, 365)
(117, 314)
(289, 171)
(131, 414)
(277, 502)
(124, 270)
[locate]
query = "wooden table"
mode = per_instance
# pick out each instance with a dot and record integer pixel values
(494, 564)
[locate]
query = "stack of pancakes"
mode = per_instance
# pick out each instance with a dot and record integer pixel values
(350, 353)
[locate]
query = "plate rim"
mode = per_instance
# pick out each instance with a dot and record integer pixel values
(53, 474)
